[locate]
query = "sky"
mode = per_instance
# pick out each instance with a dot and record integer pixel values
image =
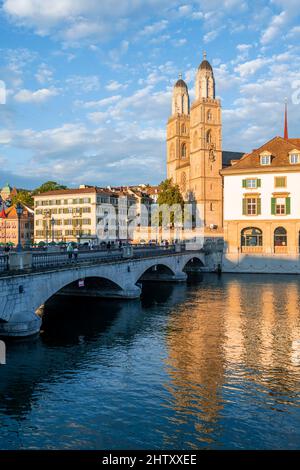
(86, 85)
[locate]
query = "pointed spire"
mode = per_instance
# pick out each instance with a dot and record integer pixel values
(180, 76)
(286, 131)
(204, 55)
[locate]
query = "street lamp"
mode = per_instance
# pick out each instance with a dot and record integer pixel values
(52, 225)
(19, 210)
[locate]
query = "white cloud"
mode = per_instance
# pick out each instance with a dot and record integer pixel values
(83, 84)
(154, 28)
(251, 67)
(44, 74)
(38, 96)
(113, 85)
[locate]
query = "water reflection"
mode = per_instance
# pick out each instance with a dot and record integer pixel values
(211, 364)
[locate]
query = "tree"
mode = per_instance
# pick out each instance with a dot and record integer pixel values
(170, 195)
(48, 186)
(23, 196)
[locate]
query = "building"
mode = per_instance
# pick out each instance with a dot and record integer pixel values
(9, 226)
(194, 145)
(85, 214)
(262, 204)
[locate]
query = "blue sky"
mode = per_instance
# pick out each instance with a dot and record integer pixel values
(89, 83)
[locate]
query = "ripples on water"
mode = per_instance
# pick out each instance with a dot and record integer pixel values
(214, 364)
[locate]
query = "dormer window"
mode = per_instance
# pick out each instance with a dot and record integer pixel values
(294, 157)
(265, 159)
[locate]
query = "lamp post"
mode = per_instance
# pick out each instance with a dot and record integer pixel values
(52, 225)
(19, 210)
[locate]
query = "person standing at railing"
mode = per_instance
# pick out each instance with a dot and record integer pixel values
(75, 253)
(70, 251)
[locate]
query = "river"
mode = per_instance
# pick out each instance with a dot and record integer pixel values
(211, 364)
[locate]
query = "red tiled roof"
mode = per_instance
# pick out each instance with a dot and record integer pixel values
(278, 147)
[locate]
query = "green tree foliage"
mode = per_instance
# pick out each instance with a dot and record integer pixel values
(23, 196)
(170, 195)
(48, 186)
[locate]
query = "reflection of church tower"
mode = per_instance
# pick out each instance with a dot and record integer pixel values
(194, 157)
(178, 139)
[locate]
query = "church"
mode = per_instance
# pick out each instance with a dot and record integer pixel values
(194, 145)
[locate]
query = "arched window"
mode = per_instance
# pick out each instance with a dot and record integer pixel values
(280, 236)
(195, 140)
(209, 115)
(208, 137)
(183, 151)
(251, 236)
(183, 129)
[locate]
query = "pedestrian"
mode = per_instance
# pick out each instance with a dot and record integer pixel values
(108, 246)
(120, 245)
(75, 253)
(7, 248)
(70, 251)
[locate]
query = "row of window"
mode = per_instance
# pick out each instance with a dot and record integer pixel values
(58, 202)
(39, 222)
(64, 210)
(266, 159)
(61, 233)
(253, 183)
(253, 236)
(279, 206)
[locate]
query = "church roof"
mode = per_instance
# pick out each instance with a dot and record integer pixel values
(205, 65)
(279, 149)
(180, 83)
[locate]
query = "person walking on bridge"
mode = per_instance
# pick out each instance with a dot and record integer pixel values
(70, 251)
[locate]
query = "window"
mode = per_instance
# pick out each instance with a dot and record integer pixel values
(265, 159)
(280, 205)
(208, 137)
(251, 183)
(251, 206)
(294, 158)
(280, 181)
(183, 129)
(280, 237)
(209, 115)
(251, 236)
(183, 151)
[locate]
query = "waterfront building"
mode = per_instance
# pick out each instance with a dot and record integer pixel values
(86, 214)
(9, 226)
(261, 204)
(194, 145)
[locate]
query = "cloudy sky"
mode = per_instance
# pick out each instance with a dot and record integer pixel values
(89, 82)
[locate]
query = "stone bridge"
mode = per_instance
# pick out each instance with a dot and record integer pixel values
(23, 291)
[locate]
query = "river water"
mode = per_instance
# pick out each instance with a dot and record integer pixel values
(211, 364)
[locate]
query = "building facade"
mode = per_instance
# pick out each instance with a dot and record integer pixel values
(9, 224)
(194, 144)
(262, 203)
(86, 214)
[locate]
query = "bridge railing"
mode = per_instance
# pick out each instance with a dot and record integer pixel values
(41, 260)
(4, 263)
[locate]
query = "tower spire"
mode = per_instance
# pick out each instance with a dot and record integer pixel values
(286, 131)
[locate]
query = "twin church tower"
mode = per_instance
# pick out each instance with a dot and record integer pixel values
(194, 144)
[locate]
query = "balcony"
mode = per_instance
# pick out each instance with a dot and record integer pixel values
(280, 249)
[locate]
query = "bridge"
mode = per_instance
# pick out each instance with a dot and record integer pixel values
(29, 280)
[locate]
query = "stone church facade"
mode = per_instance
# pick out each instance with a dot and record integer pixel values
(194, 144)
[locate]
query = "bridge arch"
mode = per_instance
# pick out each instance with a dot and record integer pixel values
(194, 263)
(167, 267)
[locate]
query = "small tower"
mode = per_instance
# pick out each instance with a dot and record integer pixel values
(178, 140)
(205, 80)
(206, 147)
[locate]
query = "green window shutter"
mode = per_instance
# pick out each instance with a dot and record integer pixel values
(244, 206)
(258, 183)
(258, 206)
(288, 206)
(273, 205)
(244, 183)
